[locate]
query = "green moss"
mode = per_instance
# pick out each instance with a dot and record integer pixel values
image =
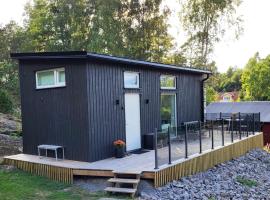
(246, 182)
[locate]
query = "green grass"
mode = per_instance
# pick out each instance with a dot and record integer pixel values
(246, 182)
(17, 185)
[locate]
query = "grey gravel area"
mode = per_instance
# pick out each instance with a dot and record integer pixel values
(247, 177)
(91, 184)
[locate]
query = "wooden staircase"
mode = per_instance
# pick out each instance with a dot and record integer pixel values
(124, 182)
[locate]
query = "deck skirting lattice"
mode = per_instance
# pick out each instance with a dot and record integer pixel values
(207, 160)
(60, 174)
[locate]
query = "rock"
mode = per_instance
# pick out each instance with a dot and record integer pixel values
(9, 124)
(221, 182)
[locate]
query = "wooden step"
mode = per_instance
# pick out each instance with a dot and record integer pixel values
(127, 172)
(124, 180)
(120, 190)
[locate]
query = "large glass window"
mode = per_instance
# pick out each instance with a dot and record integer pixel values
(167, 82)
(131, 79)
(50, 78)
(168, 112)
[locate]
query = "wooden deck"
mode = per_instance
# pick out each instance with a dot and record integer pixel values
(64, 170)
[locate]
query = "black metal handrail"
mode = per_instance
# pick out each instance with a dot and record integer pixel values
(241, 124)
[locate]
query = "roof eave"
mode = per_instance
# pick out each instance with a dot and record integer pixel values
(146, 63)
(84, 55)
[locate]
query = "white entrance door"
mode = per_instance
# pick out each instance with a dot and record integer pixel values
(133, 125)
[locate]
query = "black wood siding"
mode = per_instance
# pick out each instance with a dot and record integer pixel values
(55, 116)
(107, 119)
(84, 116)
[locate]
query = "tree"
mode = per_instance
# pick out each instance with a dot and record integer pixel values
(205, 22)
(12, 39)
(211, 95)
(6, 103)
(256, 79)
(136, 29)
(231, 80)
(58, 25)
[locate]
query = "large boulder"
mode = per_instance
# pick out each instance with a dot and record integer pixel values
(9, 125)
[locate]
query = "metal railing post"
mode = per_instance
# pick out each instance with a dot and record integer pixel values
(239, 123)
(169, 146)
(253, 121)
(259, 122)
(247, 124)
(186, 145)
(212, 133)
(231, 129)
(222, 131)
(155, 146)
(200, 136)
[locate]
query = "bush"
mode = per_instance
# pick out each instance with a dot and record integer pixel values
(6, 103)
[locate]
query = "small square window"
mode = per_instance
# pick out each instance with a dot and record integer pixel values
(50, 78)
(131, 80)
(167, 82)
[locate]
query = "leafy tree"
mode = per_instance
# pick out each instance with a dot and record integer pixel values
(146, 30)
(12, 39)
(125, 28)
(231, 80)
(205, 22)
(6, 103)
(58, 25)
(256, 79)
(211, 95)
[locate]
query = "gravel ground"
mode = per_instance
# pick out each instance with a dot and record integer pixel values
(91, 184)
(247, 177)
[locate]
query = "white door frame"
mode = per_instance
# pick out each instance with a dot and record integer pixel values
(133, 138)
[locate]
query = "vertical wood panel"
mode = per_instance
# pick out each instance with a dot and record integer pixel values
(55, 116)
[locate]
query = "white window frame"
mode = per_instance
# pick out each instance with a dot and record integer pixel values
(138, 80)
(168, 88)
(56, 78)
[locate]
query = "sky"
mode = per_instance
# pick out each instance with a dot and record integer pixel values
(229, 52)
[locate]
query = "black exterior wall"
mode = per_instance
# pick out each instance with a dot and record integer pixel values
(84, 116)
(107, 119)
(56, 116)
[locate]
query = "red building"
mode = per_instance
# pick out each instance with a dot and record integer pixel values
(228, 96)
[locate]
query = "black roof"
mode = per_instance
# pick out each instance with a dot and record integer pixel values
(87, 55)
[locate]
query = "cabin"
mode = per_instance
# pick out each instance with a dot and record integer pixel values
(262, 107)
(85, 101)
